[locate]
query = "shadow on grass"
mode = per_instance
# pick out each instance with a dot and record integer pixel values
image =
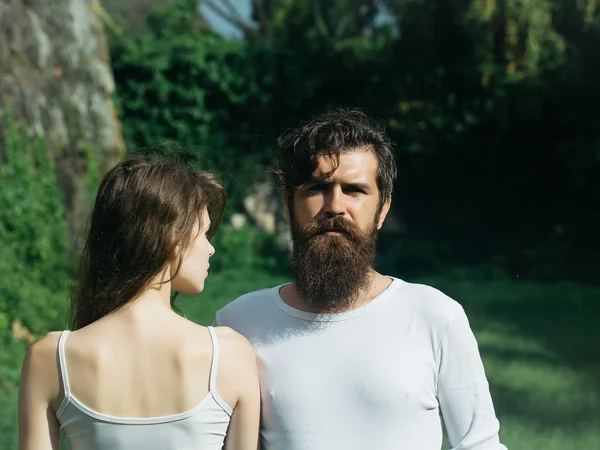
(564, 317)
(519, 404)
(541, 347)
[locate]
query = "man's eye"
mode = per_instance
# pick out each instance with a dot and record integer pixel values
(355, 190)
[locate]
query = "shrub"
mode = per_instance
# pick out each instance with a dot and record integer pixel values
(176, 83)
(34, 260)
(248, 248)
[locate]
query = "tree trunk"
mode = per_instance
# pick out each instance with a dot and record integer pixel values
(55, 75)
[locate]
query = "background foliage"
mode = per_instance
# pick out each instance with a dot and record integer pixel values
(491, 103)
(493, 106)
(34, 262)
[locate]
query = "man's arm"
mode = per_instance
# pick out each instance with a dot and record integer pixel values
(463, 391)
(219, 321)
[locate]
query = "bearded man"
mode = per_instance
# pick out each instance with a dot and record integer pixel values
(348, 358)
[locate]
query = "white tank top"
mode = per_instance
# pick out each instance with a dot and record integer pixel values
(201, 428)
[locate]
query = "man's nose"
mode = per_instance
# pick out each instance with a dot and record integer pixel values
(335, 203)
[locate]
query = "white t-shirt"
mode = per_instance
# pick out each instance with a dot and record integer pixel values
(389, 375)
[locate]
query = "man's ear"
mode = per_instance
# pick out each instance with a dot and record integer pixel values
(384, 211)
(286, 204)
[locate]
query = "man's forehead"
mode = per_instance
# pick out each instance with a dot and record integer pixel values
(354, 164)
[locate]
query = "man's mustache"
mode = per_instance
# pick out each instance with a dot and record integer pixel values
(336, 224)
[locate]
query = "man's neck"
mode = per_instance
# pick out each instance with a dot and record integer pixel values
(379, 283)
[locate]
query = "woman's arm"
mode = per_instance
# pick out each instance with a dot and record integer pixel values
(39, 385)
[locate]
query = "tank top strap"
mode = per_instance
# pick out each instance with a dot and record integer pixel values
(63, 372)
(215, 360)
(213, 373)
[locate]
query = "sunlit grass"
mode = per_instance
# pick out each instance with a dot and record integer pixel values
(540, 402)
(540, 347)
(223, 288)
(539, 344)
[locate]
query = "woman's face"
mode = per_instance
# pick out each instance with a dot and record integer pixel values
(195, 264)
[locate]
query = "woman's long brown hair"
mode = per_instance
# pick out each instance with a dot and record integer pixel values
(144, 209)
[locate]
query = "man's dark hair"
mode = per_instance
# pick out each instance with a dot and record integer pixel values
(329, 134)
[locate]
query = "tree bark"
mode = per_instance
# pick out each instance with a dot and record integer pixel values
(55, 75)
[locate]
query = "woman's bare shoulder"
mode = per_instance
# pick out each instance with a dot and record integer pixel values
(237, 355)
(40, 365)
(233, 342)
(237, 366)
(44, 351)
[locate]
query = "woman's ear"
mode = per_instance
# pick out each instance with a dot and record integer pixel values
(175, 260)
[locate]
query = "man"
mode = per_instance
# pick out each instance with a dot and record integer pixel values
(348, 358)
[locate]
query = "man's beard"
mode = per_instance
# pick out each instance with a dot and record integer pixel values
(331, 271)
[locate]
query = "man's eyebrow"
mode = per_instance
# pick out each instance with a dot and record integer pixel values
(323, 181)
(318, 180)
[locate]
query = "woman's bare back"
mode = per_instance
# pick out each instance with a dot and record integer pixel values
(126, 369)
(129, 372)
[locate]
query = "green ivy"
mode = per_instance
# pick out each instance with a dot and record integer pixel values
(247, 248)
(34, 259)
(198, 89)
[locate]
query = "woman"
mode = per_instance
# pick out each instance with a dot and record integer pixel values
(134, 374)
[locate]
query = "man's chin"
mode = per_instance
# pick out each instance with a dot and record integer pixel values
(332, 266)
(333, 233)
(333, 276)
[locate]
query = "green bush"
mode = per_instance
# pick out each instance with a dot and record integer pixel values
(34, 260)
(176, 83)
(247, 249)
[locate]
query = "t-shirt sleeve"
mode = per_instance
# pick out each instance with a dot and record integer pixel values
(215, 322)
(463, 391)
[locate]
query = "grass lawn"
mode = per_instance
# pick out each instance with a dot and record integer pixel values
(540, 346)
(539, 343)
(221, 289)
